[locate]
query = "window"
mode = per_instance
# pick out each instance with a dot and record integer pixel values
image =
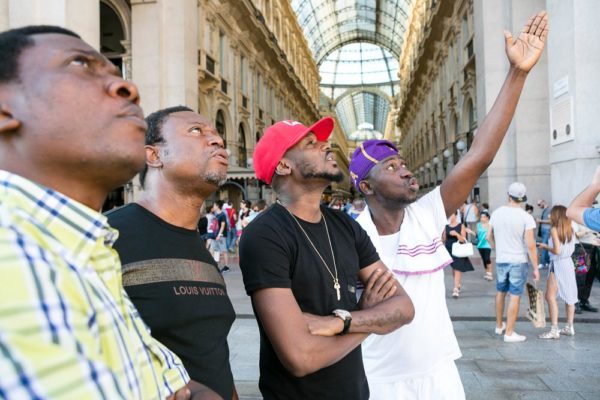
(222, 53)
(243, 74)
(258, 135)
(258, 89)
(242, 147)
(210, 65)
(220, 125)
(224, 86)
(472, 117)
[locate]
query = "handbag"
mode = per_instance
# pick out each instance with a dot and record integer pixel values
(461, 250)
(581, 260)
(536, 312)
(474, 240)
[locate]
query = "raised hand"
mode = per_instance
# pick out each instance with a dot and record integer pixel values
(525, 51)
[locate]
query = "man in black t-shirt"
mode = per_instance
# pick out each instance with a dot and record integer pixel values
(301, 262)
(167, 271)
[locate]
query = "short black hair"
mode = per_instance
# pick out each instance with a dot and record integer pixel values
(154, 135)
(219, 204)
(14, 41)
(261, 204)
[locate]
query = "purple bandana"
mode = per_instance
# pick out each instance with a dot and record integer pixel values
(366, 155)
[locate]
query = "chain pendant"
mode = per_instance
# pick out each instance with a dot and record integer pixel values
(337, 286)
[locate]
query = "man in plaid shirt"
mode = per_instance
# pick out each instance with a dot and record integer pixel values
(71, 130)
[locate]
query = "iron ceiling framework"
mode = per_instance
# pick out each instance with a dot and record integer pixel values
(356, 44)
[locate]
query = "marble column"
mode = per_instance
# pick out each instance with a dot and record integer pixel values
(165, 49)
(80, 16)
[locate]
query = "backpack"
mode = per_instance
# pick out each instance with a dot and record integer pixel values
(213, 229)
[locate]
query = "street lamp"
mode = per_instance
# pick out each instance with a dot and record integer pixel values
(461, 145)
(447, 153)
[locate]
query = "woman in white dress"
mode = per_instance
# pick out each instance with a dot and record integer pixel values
(561, 279)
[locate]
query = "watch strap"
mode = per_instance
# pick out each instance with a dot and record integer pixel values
(347, 323)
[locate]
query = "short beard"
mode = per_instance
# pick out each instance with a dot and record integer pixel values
(215, 179)
(337, 177)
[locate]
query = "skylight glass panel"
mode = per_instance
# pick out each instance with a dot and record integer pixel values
(356, 45)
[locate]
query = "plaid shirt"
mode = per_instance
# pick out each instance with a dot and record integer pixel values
(67, 328)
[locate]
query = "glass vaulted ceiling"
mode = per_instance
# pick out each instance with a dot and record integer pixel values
(356, 44)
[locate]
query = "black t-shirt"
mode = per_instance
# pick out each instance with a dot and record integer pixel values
(222, 218)
(203, 226)
(179, 292)
(274, 253)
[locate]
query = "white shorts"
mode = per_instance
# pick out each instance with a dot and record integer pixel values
(441, 384)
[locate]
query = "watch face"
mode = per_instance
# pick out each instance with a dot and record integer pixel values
(343, 314)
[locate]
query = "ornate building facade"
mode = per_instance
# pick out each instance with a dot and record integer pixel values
(451, 69)
(421, 73)
(242, 64)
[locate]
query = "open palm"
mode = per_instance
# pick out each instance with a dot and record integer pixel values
(524, 52)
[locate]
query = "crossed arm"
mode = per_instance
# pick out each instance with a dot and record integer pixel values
(306, 343)
(522, 53)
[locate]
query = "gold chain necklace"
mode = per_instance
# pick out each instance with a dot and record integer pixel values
(336, 283)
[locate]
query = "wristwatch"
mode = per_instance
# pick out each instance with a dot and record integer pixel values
(344, 316)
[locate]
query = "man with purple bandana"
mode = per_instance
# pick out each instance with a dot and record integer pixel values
(417, 360)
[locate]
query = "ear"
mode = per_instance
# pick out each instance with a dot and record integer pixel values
(365, 187)
(283, 168)
(8, 123)
(153, 157)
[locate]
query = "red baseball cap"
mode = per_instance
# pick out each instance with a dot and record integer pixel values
(279, 138)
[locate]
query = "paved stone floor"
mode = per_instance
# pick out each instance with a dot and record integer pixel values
(490, 369)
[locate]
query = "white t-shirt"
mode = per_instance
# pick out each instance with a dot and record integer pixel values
(417, 256)
(509, 225)
(471, 213)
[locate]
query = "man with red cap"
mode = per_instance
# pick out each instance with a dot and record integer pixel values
(417, 361)
(301, 262)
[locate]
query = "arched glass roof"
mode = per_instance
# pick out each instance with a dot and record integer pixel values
(356, 44)
(329, 24)
(363, 111)
(359, 64)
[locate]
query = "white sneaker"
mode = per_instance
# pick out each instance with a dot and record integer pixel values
(514, 338)
(500, 331)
